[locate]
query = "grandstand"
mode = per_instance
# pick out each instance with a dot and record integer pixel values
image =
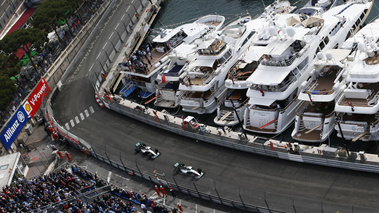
(73, 189)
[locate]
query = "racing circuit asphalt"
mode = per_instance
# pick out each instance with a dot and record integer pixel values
(233, 173)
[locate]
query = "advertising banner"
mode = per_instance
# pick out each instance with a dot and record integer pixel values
(35, 99)
(14, 127)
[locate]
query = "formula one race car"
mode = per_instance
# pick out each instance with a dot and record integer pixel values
(146, 150)
(182, 168)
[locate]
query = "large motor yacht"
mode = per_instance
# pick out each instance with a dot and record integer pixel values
(161, 47)
(314, 120)
(232, 104)
(204, 77)
(276, 83)
(358, 106)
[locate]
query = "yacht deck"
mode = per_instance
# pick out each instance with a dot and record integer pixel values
(372, 60)
(204, 95)
(311, 136)
(373, 89)
(242, 71)
(155, 57)
(213, 23)
(323, 85)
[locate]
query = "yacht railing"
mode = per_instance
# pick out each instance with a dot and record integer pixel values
(311, 90)
(373, 99)
(277, 88)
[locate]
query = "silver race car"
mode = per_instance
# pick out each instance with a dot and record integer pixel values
(146, 150)
(182, 168)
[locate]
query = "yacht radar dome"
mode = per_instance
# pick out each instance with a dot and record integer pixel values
(320, 56)
(273, 31)
(290, 31)
(329, 55)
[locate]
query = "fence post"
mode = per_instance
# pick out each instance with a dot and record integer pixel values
(219, 196)
(196, 189)
(239, 194)
(266, 203)
(110, 162)
(139, 169)
(176, 184)
(122, 162)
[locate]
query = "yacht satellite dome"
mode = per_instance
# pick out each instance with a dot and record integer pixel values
(373, 46)
(272, 30)
(361, 47)
(290, 31)
(320, 56)
(205, 37)
(174, 51)
(223, 37)
(371, 53)
(329, 56)
(264, 15)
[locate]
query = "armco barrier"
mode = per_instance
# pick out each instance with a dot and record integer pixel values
(241, 145)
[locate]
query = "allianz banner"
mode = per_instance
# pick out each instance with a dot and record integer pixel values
(14, 127)
(36, 97)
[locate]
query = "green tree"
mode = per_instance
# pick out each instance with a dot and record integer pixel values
(25, 39)
(49, 13)
(9, 64)
(7, 91)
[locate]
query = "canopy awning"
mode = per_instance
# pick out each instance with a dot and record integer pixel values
(202, 63)
(339, 54)
(269, 76)
(255, 53)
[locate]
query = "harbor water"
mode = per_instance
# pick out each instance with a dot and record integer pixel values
(177, 12)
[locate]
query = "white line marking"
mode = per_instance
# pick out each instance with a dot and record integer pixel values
(81, 116)
(109, 176)
(127, 8)
(122, 18)
(3, 3)
(91, 109)
(116, 26)
(72, 123)
(87, 113)
(91, 67)
(105, 45)
(98, 56)
(77, 119)
(110, 37)
(67, 126)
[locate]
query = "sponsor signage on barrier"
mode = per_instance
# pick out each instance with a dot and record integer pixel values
(36, 97)
(14, 127)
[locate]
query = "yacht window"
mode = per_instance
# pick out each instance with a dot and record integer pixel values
(303, 64)
(247, 39)
(363, 14)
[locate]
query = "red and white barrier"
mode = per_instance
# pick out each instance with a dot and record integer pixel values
(98, 100)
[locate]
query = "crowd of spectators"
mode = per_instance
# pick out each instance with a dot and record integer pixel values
(26, 195)
(63, 191)
(139, 61)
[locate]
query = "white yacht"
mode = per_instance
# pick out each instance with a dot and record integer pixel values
(276, 83)
(167, 93)
(204, 77)
(162, 46)
(233, 101)
(314, 120)
(358, 106)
